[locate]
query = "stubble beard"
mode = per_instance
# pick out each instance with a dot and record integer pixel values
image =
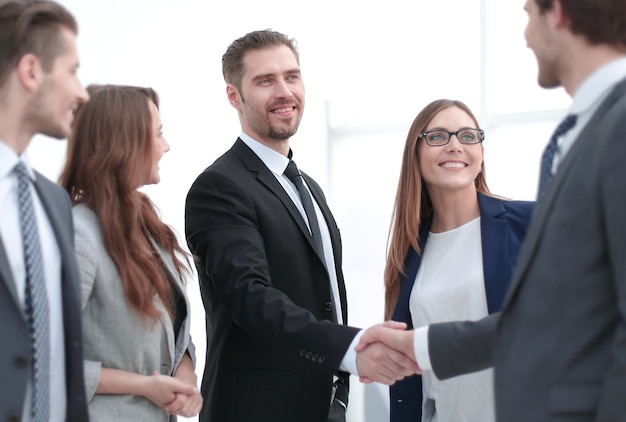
(40, 115)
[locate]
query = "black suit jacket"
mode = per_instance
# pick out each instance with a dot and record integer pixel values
(14, 333)
(272, 350)
(560, 342)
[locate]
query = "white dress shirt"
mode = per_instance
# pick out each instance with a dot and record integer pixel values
(11, 236)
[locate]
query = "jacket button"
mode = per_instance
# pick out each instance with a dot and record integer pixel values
(21, 361)
(14, 418)
(302, 352)
(328, 306)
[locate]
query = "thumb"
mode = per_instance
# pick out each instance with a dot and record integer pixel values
(396, 325)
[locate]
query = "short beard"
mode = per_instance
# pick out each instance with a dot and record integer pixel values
(280, 134)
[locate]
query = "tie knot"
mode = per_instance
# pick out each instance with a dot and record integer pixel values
(21, 171)
(292, 170)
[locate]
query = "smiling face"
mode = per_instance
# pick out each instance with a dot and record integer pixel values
(51, 110)
(271, 100)
(158, 146)
(453, 166)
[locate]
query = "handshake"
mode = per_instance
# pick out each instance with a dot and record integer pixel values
(385, 354)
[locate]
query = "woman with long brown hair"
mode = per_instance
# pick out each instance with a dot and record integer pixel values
(139, 358)
(451, 252)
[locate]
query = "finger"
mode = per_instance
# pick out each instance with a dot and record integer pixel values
(396, 325)
(176, 404)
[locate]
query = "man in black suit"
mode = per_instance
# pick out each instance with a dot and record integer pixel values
(270, 270)
(559, 346)
(39, 90)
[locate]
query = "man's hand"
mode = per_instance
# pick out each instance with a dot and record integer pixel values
(385, 354)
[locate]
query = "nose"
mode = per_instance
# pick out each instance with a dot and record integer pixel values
(82, 95)
(166, 146)
(454, 144)
(283, 90)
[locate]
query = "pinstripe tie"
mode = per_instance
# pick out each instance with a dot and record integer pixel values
(550, 151)
(36, 299)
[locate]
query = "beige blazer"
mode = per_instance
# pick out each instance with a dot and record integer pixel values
(115, 334)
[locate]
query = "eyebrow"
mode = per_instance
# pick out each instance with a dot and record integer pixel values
(295, 71)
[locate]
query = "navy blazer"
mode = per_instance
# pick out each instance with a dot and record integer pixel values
(503, 227)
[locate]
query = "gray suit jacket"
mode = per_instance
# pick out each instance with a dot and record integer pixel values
(116, 335)
(14, 333)
(559, 346)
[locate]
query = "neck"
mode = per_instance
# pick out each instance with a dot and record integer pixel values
(584, 61)
(453, 209)
(12, 136)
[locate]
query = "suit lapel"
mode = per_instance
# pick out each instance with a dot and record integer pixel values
(265, 176)
(7, 275)
(495, 248)
(544, 206)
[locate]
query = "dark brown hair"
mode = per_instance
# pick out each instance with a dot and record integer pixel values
(599, 21)
(32, 27)
(412, 205)
(232, 61)
(108, 158)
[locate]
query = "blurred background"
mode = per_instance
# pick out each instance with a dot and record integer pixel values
(368, 68)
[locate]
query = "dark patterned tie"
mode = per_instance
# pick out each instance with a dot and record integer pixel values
(294, 175)
(36, 299)
(548, 153)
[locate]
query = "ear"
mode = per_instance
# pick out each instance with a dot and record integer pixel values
(234, 97)
(560, 20)
(29, 72)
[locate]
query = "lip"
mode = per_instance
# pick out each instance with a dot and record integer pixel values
(453, 165)
(283, 110)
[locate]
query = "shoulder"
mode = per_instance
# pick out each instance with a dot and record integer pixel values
(52, 191)
(517, 212)
(86, 223)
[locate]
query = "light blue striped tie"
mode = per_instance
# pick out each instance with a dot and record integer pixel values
(36, 299)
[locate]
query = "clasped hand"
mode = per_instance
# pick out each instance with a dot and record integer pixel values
(385, 354)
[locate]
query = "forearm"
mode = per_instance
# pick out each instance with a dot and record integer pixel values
(117, 381)
(185, 371)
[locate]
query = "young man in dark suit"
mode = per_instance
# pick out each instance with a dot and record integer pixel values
(559, 346)
(41, 362)
(268, 254)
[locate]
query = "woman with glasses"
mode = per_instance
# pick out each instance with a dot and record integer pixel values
(452, 249)
(139, 358)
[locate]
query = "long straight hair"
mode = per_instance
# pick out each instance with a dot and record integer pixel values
(412, 204)
(109, 156)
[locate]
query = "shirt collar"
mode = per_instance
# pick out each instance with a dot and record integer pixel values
(275, 161)
(597, 85)
(8, 160)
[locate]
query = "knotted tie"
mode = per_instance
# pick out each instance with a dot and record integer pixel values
(36, 299)
(548, 153)
(294, 175)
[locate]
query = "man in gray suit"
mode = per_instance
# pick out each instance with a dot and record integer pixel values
(559, 345)
(41, 363)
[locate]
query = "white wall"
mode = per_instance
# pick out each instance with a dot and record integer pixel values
(368, 66)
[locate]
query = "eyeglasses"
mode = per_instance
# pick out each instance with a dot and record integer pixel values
(440, 137)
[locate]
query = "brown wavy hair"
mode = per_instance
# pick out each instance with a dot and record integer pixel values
(108, 158)
(412, 204)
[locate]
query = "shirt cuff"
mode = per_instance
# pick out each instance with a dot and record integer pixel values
(420, 346)
(348, 363)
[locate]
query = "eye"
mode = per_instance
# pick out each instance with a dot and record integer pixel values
(437, 136)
